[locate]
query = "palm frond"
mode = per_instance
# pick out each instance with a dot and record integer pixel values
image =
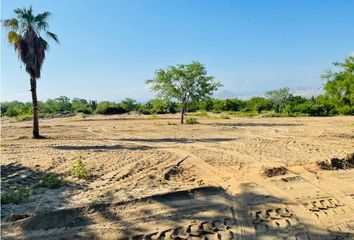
(42, 17)
(19, 12)
(11, 23)
(42, 25)
(52, 36)
(13, 37)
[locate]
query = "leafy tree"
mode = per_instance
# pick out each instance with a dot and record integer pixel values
(93, 105)
(24, 34)
(185, 83)
(339, 86)
(108, 108)
(63, 104)
(258, 104)
(129, 104)
(279, 98)
(80, 105)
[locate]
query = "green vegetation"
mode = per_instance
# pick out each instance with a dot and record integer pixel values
(192, 120)
(79, 169)
(24, 35)
(186, 83)
(51, 180)
(16, 196)
(337, 99)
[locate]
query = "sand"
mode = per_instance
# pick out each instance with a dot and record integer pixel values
(152, 178)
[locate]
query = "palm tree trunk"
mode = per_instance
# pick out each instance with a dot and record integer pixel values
(35, 108)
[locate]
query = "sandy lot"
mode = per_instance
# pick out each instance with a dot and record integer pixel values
(155, 179)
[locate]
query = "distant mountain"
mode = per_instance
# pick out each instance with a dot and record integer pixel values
(224, 94)
(306, 91)
(299, 91)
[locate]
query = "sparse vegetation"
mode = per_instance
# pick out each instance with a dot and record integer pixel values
(224, 116)
(17, 196)
(192, 120)
(51, 180)
(79, 169)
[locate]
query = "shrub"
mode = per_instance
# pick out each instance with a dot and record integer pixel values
(224, 116)
(191, 120)
(109, 108)
(17, 196)
(23, 117)
(79, 169)
(128, 105)
(201, 113)
(51, 180)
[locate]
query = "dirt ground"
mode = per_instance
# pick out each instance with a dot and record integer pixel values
(152, 178)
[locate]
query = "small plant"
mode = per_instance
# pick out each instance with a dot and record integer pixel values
(224, 116)
(4, 145)
(171, 123)
(201, 113)
(17, 196)
(51, 180)
(192, 120)
(79, 169)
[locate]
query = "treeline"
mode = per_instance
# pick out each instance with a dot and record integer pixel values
(280, 102)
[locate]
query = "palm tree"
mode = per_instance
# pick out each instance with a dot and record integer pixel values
(24, 34)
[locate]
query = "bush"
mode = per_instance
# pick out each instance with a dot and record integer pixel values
(128, 105)
(346, 110)
(51, 180)
(201, 113)
(79, 169)
(191, 120)
(224, 116)
(109, 108)
(17, 196)
(23, 117)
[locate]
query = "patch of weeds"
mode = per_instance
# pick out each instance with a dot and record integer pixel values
(275, 171)
(201, 113)
(51, 180)
(79, 169)
(24, 117)
(224, 116)
(17, 196)
(171, 123)
(4, 145)
(192, 120)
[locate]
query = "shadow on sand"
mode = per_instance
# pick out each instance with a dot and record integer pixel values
(250, 124)
(176, 140)
(248, 215)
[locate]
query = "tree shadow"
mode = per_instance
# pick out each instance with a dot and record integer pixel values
(102, 147)
(250, 124)
(210, 211)
(176, 140)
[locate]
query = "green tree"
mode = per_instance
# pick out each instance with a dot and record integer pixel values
(25, 35)
(185, 82)
(80, 105)
(339, 86)
(129, 104)
(258, 104)
(279, 98)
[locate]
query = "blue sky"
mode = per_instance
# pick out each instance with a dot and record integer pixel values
(109, 48)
